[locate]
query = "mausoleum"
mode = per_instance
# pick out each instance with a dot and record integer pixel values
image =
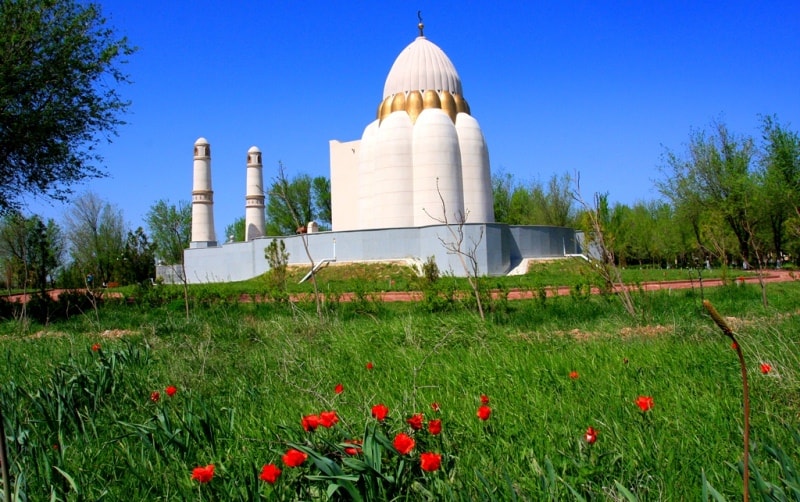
(415, 185)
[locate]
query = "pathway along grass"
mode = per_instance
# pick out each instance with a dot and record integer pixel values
(86, 423)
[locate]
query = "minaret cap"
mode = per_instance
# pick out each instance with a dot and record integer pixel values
(253, 149)
(201, 141)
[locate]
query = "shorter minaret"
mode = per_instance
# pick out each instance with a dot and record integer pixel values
(254, 199)
(203, 234)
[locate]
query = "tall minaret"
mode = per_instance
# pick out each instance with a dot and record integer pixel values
(254, 200)
(203, 234)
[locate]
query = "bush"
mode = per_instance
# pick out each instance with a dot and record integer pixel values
(278, 260)
(430, 270)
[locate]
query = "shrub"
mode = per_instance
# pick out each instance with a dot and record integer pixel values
(278, 260)
(430, 270)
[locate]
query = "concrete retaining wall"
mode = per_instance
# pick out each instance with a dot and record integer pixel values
(498, 248)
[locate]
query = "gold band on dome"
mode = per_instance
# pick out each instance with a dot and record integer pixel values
(449, 105)
(414, 102)
(399, 102)
(414, 105)
(430, 99)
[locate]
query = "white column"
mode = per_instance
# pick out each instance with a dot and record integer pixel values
(475, 173)
(254, 225)
(437, 170)
(203, 234)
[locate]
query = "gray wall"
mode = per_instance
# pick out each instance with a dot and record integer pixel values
(498, 248)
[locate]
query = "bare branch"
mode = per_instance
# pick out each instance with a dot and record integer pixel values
(468, 257)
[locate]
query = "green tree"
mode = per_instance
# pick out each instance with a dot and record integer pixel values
(278, 259)
(553, 204)
(96, 234)
(780, 181)
(235, 231)
(321, 188)
(714, 176)
(502, 187)
(301, 199)
(30, 250)
(138, 258)
(516, 204)
(522, 206)
(59, 73)
(170, 229)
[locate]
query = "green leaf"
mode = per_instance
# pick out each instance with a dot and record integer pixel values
(709, 491)
(625, 492)
(69, 479)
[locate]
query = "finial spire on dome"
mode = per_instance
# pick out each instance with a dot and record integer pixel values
(421, 26)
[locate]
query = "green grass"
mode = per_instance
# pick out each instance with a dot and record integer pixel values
(247, 373)
(367, 278)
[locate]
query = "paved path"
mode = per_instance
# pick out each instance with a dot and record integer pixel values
(527, 294)
(513, 294)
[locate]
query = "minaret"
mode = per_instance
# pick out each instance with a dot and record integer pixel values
(203, 234)
(254, 198)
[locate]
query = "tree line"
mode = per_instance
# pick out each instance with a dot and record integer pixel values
(727, 199)
(93, 246)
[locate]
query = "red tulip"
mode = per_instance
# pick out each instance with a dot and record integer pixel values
(430, 461)
(355, 449)
(328, 419)
(379, 411)
(403, 443)
(203, 474)
(294, 458)
(416, 421)
(591, 435)
(645, 403)
(310, 423)
(270, 473)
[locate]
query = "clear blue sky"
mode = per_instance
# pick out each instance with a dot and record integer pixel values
(601, 88)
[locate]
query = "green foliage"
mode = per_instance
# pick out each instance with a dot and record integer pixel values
(44, 310)
(536, 204)
(59, 68)
(780, 186)
(30, 251)
(96, 232)
(138, 259)
(278, 260)
(235, 232)
(430, 270)
(296, 202)
(171, 229)
(715, 176)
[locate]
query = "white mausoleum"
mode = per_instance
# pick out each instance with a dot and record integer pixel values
(422, 164)
(424, 153)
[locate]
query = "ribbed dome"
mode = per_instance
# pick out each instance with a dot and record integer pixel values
(422, 66)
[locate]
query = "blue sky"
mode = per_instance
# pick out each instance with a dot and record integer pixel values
(599, 88)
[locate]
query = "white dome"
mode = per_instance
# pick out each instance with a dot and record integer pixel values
(422, 66)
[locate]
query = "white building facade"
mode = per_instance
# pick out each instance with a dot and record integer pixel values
(422, 161)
